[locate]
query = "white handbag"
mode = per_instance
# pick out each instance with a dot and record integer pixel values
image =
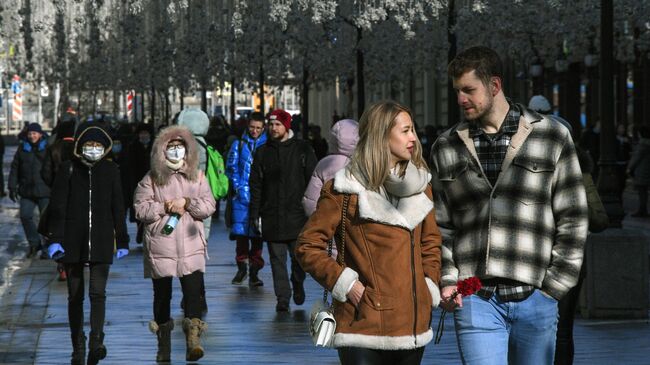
(322, 323)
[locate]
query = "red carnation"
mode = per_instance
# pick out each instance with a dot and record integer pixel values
(468, 286)
(465, 288)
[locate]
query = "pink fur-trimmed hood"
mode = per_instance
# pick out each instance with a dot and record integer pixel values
(160, 172)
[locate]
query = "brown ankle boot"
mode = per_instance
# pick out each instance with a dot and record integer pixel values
(193, 329)
(163, 332)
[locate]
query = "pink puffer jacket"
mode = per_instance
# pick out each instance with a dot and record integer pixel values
(344, 136)
(185, 249)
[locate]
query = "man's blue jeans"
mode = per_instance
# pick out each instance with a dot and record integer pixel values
(492, 332)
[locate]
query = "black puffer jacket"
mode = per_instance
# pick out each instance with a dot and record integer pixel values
(86, 208)
(279, 176)
(25, 175)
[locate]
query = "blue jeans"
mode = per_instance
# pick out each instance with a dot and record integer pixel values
(492, 332)
(27, 206)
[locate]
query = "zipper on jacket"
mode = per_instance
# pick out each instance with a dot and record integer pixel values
(415, 302)
(90, 209)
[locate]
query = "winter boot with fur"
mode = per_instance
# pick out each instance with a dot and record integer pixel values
(163, 332)
(193, 329)
(78, 349)
(242, 272)
(96, 348)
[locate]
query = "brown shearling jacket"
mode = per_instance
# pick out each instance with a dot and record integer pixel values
(394, 252)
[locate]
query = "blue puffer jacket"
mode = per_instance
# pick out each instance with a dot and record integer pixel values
(238, 169)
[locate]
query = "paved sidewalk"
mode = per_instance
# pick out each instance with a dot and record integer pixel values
(243, 325)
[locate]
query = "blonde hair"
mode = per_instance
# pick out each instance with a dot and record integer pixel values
(370, 162)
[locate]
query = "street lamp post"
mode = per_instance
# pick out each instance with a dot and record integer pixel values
(607, 178)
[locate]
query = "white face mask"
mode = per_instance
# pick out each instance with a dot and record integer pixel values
(92, 153)
(175, 154)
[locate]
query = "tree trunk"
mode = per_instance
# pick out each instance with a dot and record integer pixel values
(638, 92)
(166, 106)
(361, 92)
(142, 94)
(232, 101)
(573, 98)
(607, 176)
(261, 81)
(305, 102)
(621, 93)
(180, 91)
(453, 115)
(204, 99)
(153, 105)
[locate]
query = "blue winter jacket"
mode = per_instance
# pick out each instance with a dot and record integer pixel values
(238, 169)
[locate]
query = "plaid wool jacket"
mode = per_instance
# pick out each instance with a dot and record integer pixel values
(530, 226)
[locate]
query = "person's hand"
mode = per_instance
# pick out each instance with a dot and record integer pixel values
(121, 253)
(176, 206)
(256, 225)
(356, 293)
(55, 249)
(447, 303)
(13, 195)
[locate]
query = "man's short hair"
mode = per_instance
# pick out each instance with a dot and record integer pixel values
(483, 60)
(257, 116)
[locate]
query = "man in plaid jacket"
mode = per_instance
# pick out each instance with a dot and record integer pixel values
(513, 212)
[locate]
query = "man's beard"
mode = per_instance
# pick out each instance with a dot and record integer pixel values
(486, 110)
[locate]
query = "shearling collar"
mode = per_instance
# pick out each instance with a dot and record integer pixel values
(373, 206)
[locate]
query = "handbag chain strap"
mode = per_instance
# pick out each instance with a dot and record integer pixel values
(341, 254)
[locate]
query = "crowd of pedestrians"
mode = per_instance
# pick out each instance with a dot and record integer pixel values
(504, 195)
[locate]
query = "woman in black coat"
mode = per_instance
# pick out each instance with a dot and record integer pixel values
(86, 218)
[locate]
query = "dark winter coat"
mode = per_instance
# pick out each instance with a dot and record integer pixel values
(55, 154)
(238, 169)
(138, 164)
(86, 208)
(639, 165)
(25, 175)
(279, 177)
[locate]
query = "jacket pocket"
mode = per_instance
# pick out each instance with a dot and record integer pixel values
(377, 301)
(532, 180)
(453, 171)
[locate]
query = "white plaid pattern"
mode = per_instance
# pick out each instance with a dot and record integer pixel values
(531, 227)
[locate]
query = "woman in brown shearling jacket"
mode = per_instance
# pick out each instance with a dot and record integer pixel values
(387, 286)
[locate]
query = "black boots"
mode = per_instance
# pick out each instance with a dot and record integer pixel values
(78, 349)
(254, 280)
(96, 348)
(298, 292)
(163, 332)
(242, 272)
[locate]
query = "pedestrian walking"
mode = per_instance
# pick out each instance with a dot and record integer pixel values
(513, 212)
(198, 123)
(248, 249)
(26, 186)
(385, 279)
(62, 149)
(598, 222)
(86, 223)
(344, 136)
(639, 169)
(172, 201)
(138, 158)
(318, 143)
(2, 167)
(279, 175)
